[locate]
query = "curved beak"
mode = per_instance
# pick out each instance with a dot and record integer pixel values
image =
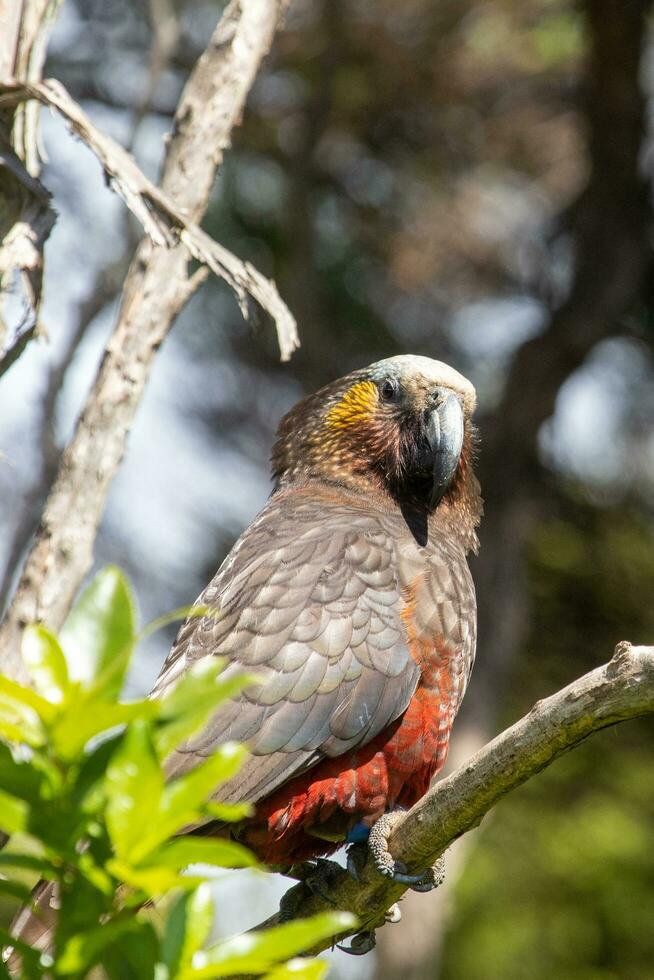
(444, 436)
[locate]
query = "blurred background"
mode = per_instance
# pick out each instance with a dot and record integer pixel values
(467, 179)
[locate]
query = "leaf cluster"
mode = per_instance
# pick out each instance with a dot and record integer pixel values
(84, 795)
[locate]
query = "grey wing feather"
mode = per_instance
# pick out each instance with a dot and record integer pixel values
(309, 599)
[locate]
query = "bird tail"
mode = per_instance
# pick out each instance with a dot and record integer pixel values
(35, 923)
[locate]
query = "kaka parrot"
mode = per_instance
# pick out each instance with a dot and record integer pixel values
(351, 598)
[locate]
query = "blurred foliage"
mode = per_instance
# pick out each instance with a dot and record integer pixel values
(397, 165)
(560, 881)
(591, 582)
(83, 789)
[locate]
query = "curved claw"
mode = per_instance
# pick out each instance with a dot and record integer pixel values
(356, 859)
(361, 944)
(425, 881)
(425, 886)
(432, 877)
(404, 879)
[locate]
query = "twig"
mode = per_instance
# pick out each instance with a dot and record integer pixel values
(26, 222)
(620, 690)
(164, 222)
(26, 217)
(156, 289)
(10, 17)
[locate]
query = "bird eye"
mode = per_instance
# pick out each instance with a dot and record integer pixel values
(390, 390)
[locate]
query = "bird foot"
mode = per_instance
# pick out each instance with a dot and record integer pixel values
(314, 878)
(386, 864)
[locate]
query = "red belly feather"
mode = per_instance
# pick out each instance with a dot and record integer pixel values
(393, 770)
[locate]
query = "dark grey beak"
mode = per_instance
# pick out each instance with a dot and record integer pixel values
(444, 435)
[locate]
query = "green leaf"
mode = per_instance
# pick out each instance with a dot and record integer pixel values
(229, 812)
(28, 861)
(46, 663)
(14, 813)
(98, 636)
(187, 928)
(134, 956)
(184, 851)
(153, 880)
(25, 696)
(21, 714)
(193, 700)
(174, 616)
(96, 875)
(87, 791)
(16, 889)
(84, 949)
(21, 779)
(182, 799)
(134, 787)
(258, 952)
(92, 715)
(191, 790)
(299, 969)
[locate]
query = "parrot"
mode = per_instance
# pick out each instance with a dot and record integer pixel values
(351, 599)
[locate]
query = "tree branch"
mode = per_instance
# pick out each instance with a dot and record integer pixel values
(618, 691)
(26, 216)
(156, 289)
(162, 220)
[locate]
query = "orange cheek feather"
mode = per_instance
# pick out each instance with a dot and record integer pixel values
(357, 405)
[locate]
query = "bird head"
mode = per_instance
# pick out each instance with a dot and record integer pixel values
(401, 428)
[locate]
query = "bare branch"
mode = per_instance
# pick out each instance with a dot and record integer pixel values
(10, 16)
(161, 219)
(27, 220)
(26, 217)
(620, 690)
(156, 288)
(36, 19)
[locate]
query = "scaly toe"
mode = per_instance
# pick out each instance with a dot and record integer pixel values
(360, 944)
(378, 846)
